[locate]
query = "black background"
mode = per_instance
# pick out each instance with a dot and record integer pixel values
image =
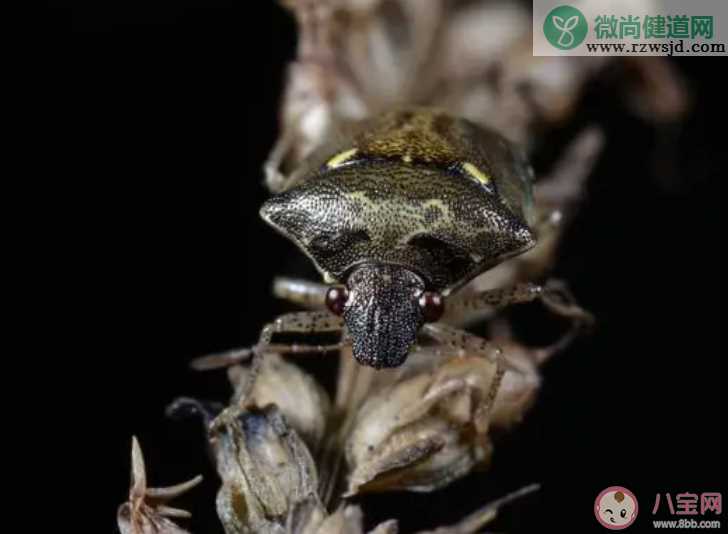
(162, 113)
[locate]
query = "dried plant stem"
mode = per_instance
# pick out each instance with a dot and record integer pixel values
(354, 381)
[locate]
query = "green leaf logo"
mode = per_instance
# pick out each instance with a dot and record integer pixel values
(565, 27)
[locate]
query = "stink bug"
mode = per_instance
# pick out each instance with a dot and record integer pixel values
(397, 216)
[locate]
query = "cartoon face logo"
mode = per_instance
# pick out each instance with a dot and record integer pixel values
(616, 508)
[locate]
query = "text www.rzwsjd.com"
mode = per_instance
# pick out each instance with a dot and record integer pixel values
(669, 48)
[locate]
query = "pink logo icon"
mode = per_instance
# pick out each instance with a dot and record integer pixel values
(616, 508)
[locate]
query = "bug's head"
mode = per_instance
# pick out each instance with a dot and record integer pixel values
(383, 307)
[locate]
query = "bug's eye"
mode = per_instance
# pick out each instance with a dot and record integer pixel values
(336, 298)
(623, 512)
(432, 305)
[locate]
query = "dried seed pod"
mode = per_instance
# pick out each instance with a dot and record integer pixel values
(425, 430)
(265, 468)
(146, 511)
(300, 399)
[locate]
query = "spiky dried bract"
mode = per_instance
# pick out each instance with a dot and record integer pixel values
(146, 511)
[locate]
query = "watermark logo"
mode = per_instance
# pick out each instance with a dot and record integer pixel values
(688, 510)
(629, 28)
(565, 27)
(616, 508)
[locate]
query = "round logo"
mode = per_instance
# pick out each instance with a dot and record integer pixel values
(616, 508)
(565, 27)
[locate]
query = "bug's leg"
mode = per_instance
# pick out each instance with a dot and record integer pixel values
(311, 295)
(461, 343)
(555, 295)
(308, 322)
(235, 356)
(494, 298)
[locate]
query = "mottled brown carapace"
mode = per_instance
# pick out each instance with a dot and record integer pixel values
(412, 201)
(417, 188)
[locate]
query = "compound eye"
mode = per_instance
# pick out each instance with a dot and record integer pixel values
(433, 306)
(336, 298)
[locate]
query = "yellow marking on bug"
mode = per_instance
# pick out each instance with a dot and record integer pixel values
(341, 158)
(476, 173)
(407, 158)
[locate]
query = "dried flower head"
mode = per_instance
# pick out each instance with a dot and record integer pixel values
(146, 511)
(414, 428)
(425, 429)
(266, 471)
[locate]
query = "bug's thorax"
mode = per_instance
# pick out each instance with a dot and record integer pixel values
(418, 189)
